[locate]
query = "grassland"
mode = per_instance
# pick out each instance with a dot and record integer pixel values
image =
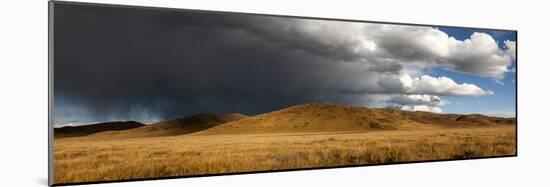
(96, 158)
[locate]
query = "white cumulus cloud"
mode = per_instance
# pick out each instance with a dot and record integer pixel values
(510, 48)
(430, 100)
(383, 44)
(440, 86)
(426, 84)
(424, 108)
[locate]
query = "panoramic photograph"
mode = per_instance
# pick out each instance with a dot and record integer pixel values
(144, 93)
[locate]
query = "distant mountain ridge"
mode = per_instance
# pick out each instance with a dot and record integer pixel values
(177, 126)
(71, 131)
(183, 125)
(313, 117)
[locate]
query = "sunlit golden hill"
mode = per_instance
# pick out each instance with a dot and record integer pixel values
(322, 117)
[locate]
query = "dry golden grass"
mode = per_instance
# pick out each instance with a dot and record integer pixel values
(85, 159)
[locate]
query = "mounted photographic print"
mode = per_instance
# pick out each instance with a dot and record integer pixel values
(140, 93)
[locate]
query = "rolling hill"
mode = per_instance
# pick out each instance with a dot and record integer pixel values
(173, 127)
(321, 117)
(456, 119)
(304, 118)
(313, 118)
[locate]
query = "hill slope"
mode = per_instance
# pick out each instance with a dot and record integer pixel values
(319, 117)
(95, 128)
(456, 119)
(305, 118)
(315, 118)
(176, 126)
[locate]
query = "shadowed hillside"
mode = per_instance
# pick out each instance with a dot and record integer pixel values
(95, 128)
(176, 126)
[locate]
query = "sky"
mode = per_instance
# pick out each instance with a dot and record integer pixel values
(147, 65)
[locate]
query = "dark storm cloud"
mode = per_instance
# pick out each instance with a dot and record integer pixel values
(123, 63)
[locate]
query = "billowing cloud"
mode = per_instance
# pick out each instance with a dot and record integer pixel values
(144, 64)
(510, 48)
(439, 86)
(424, 108)
(426, 84)
(430, 100)
(426, 103)
(479, 55)
(396, 44)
